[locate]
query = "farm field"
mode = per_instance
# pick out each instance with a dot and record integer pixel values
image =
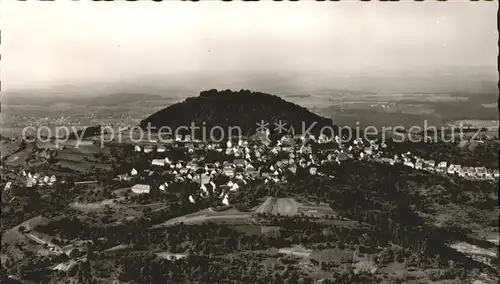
(231, 216)
(290, 207)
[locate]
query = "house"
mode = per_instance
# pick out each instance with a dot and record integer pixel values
(265, 174)
(29, 182)
(480, 171)
(228, 171)
(161, 149)
(192, 166)
(313, 171)
(167, 161)
(183, 171)
(431, 163)
(191, 199)
(140, 188)
(201, 179)
(293, 169)
(163, 186)
(342, 157)
(471, 171)
(418, 165)
(158, 162)
(8, 185)
(148, 149)
(409, 164)
(123, 177)
(46, 179)
(249, 167)
(235, 187)
(451, 169)
(137, 148)
(279, 164)
(225, 201)
(240, 163)
(496, 173)
(442, 165)
(305, 149)
(204, 189)
(133, 172)
(52, 179)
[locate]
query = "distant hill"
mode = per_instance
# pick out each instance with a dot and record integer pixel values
(230, 108)
(122, 98)
(114, 99)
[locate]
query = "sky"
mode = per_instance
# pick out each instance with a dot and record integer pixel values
(49, 43)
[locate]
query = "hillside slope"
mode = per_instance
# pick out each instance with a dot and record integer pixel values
(244, 109)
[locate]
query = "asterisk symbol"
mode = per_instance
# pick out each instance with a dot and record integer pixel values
(280, 126)
(262, 126)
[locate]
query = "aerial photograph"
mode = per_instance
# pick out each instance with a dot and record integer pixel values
(268, 142)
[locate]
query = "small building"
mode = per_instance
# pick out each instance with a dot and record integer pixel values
(368, 150)
(141, 188)
(191, 199)
(124, 177)
(225, 201)
(240, 163)
(8, 185)
(442, 165)
(161, 149)
(480, 171)
(228, 171)
(313, 171)
(137, 148)
(496, 173)
(133, 172)
(235, 187)
(29, 182)
(148, 149)
(163, 186)
(431, 163)
(158, 162)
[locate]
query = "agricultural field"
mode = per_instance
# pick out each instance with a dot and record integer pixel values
(290, 207)
(207, 215)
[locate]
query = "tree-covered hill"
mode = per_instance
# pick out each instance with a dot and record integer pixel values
(243, 109)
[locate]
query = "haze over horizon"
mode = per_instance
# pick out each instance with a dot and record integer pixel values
(58, 43)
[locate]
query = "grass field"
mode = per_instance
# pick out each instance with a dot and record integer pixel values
(282, 206)
(290, 207)
(231, 216)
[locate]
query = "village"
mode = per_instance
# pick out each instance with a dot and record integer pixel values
(248, 160)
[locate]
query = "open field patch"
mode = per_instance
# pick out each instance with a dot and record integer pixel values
(290, 207)
(230, 216)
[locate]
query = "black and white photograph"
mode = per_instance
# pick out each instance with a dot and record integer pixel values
(262, 142)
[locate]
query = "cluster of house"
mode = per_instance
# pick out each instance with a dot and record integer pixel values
(444, 167)
(259, 160)
(248, 162)
(37, 179)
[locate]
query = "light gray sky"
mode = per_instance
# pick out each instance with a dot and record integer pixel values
(58, 42)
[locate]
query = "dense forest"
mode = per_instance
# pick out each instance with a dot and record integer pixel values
(231, 109)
